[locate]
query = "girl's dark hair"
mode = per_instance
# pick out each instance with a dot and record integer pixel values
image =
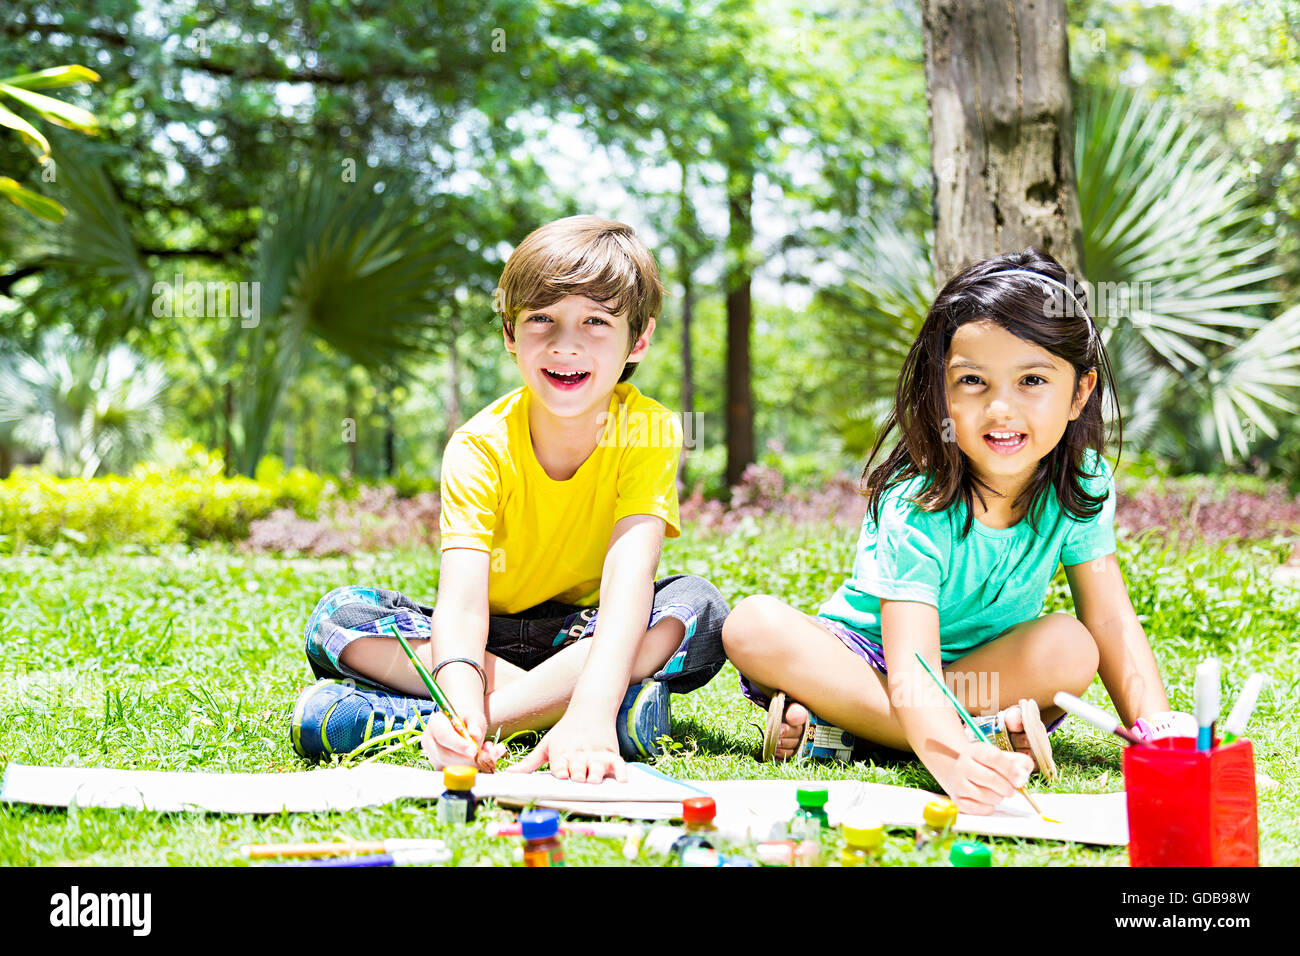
(1038, 312)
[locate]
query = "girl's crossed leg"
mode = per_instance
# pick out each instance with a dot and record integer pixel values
(779, 648)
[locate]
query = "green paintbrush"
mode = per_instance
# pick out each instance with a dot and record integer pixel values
(439, 698)
(970, 722)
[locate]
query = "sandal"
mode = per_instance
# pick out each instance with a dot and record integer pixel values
(1040, 747)
(821, 741)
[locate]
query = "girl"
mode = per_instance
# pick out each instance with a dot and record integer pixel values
(997, 477)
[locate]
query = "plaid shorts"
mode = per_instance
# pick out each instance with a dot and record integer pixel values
(524, 639)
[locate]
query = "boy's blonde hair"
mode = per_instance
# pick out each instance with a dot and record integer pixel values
(583, 255)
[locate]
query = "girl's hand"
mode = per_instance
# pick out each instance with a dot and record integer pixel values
(445, 747)
(982, 776)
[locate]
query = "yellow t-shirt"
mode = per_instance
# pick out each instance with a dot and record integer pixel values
(547, 539)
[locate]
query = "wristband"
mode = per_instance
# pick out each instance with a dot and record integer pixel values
(463, 660)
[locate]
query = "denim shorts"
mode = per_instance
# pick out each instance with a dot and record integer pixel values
(865, 646)
(526, 638)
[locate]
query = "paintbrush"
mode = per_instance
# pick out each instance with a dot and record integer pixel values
(970, 722)
(1097, 717)
(435, 692)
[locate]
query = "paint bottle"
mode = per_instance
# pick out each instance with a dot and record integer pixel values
(456, 805)
(542, 845)
(939, 816)
(810, 818)
(864, 838)
(700, 856)
(970, 853)
(697, 826)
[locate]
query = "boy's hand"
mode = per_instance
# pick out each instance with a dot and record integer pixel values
(982, 776)
(445, 748)
(577, 751)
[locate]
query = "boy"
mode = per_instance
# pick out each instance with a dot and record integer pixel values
(555, 498)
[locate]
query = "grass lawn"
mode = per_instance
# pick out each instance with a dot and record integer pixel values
(191, 661)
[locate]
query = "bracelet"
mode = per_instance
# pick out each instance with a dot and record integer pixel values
(463, 660)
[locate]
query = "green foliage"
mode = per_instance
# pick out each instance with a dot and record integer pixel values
(1235, 68)
(86, 410)
(1168, 238)
(19, 88)
(154, 506)
(1166, 224)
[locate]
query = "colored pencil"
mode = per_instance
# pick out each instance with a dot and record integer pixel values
(599, 828)
(262, 851)
(970, 722)
(396, 858)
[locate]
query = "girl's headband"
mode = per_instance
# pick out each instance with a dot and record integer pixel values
(1092, 326)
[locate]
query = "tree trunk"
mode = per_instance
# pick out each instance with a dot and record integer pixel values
(1001, 132)
(686, 275)
(738, 278)
(688, 384)
(390, 430)
(350, 415)
(455, 417)
(227, 444)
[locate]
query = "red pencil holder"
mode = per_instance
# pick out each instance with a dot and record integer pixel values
(1187, 807)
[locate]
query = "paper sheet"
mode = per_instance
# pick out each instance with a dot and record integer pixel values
(647, 795)
(306, 791)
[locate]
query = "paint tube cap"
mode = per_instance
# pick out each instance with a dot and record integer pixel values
(970, 853)
(940, 813)
(698, 810)
(459, 778)
(811, 796)
(863, 832)
(539, 824)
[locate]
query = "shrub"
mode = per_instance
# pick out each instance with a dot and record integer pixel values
(150, 508)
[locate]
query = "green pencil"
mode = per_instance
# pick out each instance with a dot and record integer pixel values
(970, 722)
(439, 698)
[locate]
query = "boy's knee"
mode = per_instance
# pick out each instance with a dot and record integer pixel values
(710, 599)
(330, 595)
(697, 592)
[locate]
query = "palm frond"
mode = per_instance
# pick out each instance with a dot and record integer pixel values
(353, 264)
(1161, 215)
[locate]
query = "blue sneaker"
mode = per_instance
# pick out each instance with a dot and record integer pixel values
(823, 741)
(642, 719)
(338, 717)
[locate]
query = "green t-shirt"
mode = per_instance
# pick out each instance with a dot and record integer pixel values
(982, 584)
